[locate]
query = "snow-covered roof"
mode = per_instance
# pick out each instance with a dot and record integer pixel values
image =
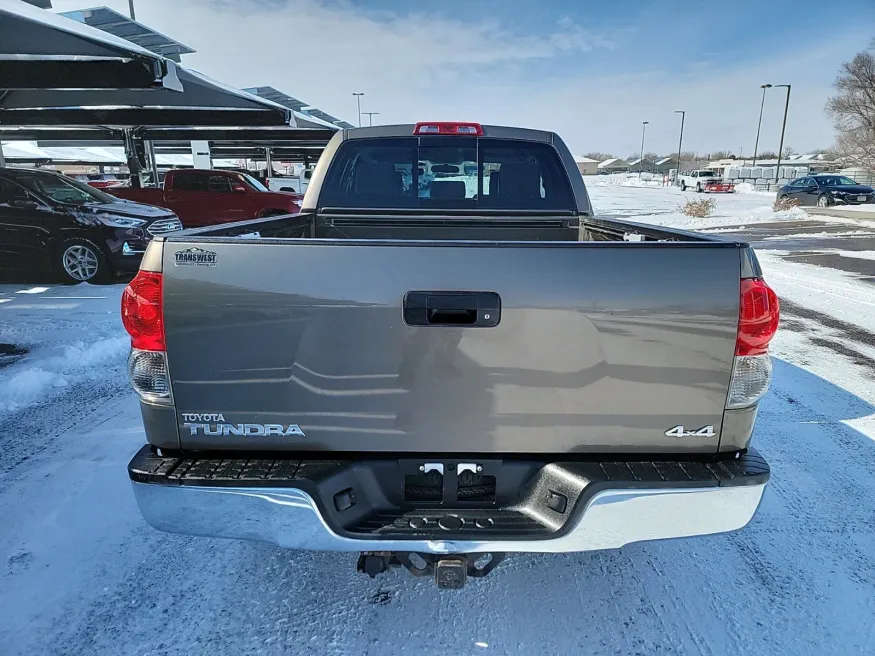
(665, 159)
(639, 160)
(585, 160)
(614, 161)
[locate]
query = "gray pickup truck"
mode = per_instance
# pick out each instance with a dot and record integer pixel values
(444, 358)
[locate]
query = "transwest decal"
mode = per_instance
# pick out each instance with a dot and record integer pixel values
(194, 257)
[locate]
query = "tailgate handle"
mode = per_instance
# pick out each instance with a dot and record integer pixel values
(467, 309)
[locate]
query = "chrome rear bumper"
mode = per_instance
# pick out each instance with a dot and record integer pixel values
(290, 518)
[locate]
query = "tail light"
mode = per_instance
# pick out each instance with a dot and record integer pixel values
(758, 316)
(143, 311)
(143, 318)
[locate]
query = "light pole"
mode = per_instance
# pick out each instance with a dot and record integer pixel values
(641, 159)
(680, 141)
(131, 7)
(783, 127)
(358, 100)
(370, 116)
(762, 104)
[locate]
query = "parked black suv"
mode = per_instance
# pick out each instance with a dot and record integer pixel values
(51, 222)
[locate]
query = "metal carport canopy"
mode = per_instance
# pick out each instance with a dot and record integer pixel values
(42, 50)
(203, 102)
(285, 143)
(257, 136)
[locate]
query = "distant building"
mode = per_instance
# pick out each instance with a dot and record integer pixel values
(666, 164)
(642, 166)
(587, 166)
(814, 163)
(859, 174)
(613, 165)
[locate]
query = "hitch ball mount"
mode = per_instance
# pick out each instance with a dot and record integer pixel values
(450, 571)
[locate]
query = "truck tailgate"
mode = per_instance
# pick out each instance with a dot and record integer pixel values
(589, 347)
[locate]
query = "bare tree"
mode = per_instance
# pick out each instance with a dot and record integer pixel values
(599, 157)
(722, 154)
(853, 109)
(788, 151)
(691, 161)
(766, 155)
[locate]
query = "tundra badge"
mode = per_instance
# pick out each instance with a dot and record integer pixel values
(202, 423)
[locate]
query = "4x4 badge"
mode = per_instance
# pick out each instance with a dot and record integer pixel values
(679, 431)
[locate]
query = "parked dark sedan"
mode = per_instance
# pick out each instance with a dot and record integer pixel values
(50, 222)
(827, 189)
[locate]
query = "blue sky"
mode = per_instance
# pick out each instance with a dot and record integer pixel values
(592, 71)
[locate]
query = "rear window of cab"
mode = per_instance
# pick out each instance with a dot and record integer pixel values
(446, 172)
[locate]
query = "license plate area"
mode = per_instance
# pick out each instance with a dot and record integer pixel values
(861, 198)
(457, 483)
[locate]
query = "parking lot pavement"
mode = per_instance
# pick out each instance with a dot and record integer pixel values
(836, 245)
(840, 212)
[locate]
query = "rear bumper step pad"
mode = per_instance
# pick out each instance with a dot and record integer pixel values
(360, 505)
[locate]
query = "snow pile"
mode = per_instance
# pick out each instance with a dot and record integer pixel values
(748, 188)
(793, 214)
(626, 180)
(66, 336)
(38, 377)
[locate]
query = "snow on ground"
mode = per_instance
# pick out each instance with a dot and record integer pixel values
(662, 206)
(860, 255)
(748, 188)
(82, 574)
(626, 180)
(811, 235)
(867, 207)
(835, 293)
(70, 333)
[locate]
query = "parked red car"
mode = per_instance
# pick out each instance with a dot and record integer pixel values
(205, 197)
(98, 180)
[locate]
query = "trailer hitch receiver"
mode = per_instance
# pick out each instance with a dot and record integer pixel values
(451, 573)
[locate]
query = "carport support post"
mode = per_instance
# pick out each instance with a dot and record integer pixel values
(153, 162)
(131, 157)
(2, 159)
(200, 154)
(268, 162)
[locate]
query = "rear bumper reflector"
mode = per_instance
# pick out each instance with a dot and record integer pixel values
(339, 506)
